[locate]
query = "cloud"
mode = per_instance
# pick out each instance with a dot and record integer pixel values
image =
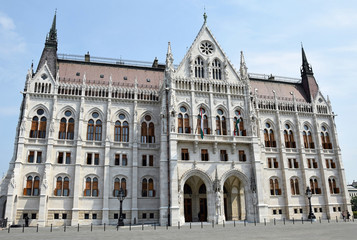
(10, 41)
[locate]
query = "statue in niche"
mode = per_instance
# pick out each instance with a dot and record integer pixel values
(12, 181)
(179, 197)
(218, 203)
(172, 124)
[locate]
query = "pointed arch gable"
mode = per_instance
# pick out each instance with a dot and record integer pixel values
(61, 112)
(115, 117)
(33, 111)
(88, 115)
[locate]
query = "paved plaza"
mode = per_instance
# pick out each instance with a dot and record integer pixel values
(316, 230)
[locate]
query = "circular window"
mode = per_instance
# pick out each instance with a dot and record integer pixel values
(287, 126)
(40, 111)
(220, 112)
(323, 128)
(206, 48)
(306, 127)
(147, 118)
(183, 109)
(95, 115)
(44, 76)
(267, 125)
(121, 116)
(237, 112)
(67, 113)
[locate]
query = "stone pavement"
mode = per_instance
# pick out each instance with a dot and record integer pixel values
(316, 230)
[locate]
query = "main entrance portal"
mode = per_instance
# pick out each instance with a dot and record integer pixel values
(195, 200)
(234, 203)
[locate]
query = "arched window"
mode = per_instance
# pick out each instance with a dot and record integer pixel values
(94, 131)
(314, 186)
(202, 189)
(121, 129)
(34, 127)
(289, 137)
(148, 188)
(38, 125)
(62, 187)
(91, 188)
(216, 69)
(294, 185)
(274, 187)
(199, 70)
(119, 183)
(32, 186)
(183, 121)
(202, 122)
(238, 125)
(333, 186)
(221, 123)
(325, 138)
(307, 136)
(66, 129)
(187, 189)
(147, 133)
(269, 138)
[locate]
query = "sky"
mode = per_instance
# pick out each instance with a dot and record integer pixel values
(270, 34)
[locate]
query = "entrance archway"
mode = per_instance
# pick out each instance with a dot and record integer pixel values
(234, 199)
(195, 200)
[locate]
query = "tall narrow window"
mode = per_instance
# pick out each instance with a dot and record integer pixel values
(70, 129)
(223, 156)
(147, 130)
(333, 186)
(216, 69)
(221, 124)
(58, 190)
(124, 160)
(269, 136)
(96, 159)
(98, 130)
(294, 185)
(90, 130)
(34, 127)
(121, 129)
(144, 187)
(204, 122)
(238, 125)
(94, 128)
(274, 187)
(66, 186)
(199, 70)
(36, 186)
(242, 156)
(289, 137)
(68, 158)
(60, 158)
(42, 128)
(314, 186)
(325, 138)
(31, 157)
(28, 188)
(62, 129)
(117, 159)
(95, 191)
(307, 136)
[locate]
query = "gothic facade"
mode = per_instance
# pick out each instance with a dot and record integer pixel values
(200, 141)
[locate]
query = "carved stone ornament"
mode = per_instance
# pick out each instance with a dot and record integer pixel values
(45, 183)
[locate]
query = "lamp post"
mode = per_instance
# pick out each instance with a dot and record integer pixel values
(121, 197)
(309, 194)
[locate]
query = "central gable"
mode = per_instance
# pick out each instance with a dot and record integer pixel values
(206, 60)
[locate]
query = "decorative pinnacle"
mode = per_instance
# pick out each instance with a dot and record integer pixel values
(205, 16)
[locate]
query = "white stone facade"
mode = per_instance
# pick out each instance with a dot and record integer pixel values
(223, 176)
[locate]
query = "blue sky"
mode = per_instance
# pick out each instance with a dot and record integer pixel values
(268, 32)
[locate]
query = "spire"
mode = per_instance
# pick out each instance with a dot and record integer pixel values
(52, 35)
(305, 68)
(49, 53)
(243, 68)
(169, 59)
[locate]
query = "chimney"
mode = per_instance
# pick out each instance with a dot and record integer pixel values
(87, 57)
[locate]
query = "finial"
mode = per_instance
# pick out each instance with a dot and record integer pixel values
(205, 15)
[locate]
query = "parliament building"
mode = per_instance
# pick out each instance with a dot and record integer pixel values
(200, 141)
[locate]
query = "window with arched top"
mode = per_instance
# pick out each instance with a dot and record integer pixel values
(147, 188)
(62, 186)
(307, 136)
(314, 186)
(202, 189)
(66, 129)
(221, 123)
(289, 137)
(147, 130)
(325, 138)
(333, 186)
(38, 125)
(91, 187)
(216, 69)
(183, 121)
(294, 185)
(119, 183)
(199, 69)
(121, 129)
(269, 137)
(32, 186)
(274, 187)
(202, 122)
(94, 128)
(238, 124)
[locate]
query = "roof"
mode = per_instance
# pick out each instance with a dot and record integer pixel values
(282, 90)
(100, 73)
